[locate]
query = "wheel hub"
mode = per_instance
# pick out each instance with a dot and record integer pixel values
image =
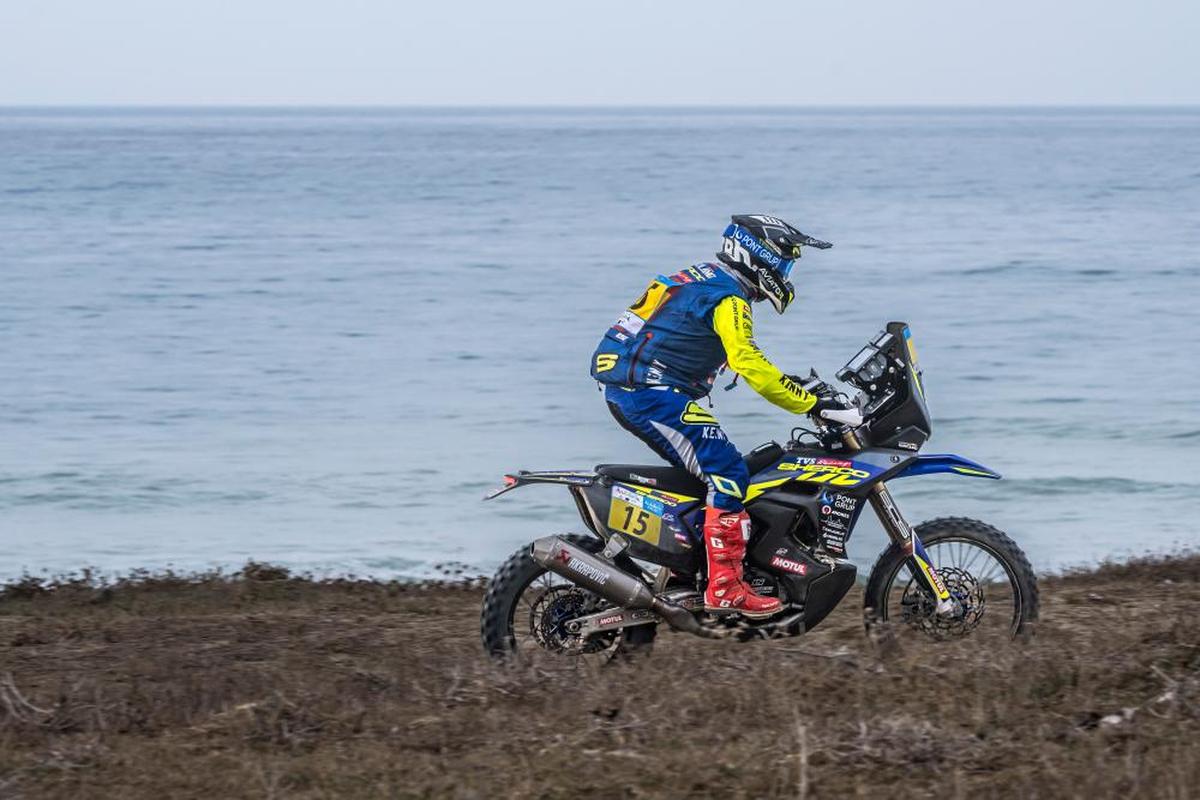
(552, 616)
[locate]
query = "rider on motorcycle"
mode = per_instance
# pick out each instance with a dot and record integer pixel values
(663, 354)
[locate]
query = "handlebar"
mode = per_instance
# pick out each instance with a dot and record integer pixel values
(849, 416)
(833, 424)
(813, 384)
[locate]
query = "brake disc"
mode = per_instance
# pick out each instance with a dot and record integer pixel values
(919, 607)
(551, 619)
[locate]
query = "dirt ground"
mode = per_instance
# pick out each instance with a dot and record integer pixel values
(266, 685)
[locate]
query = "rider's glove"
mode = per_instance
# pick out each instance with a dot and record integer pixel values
(826, 404)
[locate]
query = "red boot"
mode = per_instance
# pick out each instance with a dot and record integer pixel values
(725, 535)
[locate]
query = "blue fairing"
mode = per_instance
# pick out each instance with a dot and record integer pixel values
(946, 462)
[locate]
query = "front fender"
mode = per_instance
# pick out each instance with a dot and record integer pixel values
(947, 462)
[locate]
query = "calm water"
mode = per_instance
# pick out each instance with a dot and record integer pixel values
(318, 337)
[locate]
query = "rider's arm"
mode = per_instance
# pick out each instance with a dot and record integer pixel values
(735, 326)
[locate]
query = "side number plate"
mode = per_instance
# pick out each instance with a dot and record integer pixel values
(635, 514)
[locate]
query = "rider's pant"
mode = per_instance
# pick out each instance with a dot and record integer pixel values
(687, 435)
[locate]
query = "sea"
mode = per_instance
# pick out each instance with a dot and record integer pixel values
(317, 337)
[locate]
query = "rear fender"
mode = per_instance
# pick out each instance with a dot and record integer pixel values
(946, 462)
(524, 478)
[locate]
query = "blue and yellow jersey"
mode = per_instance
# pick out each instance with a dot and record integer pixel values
(734, 325)
(682, 330)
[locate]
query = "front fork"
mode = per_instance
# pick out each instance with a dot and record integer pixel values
(900, 532)
(903, 535)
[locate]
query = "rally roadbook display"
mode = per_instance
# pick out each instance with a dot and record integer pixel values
(642, 564)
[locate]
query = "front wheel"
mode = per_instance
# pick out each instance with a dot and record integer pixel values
(989, 579)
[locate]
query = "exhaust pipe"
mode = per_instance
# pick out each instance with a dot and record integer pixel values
(612, 583)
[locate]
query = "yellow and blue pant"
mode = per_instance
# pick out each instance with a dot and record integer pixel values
(685, 434)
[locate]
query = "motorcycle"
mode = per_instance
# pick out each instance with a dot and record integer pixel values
(605, 593)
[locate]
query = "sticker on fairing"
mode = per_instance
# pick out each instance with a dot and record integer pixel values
(912, 348)
(830, 471)
(837, 513)
(913, 366)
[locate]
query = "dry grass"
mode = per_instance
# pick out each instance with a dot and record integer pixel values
(264, 685)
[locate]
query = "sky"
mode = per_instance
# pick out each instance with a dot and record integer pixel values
(617, 52)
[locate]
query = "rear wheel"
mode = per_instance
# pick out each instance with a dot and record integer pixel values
(526, 609)
(989, 578)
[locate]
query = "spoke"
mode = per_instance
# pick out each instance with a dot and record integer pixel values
(971, 561)
(988, 577)
(988, 569)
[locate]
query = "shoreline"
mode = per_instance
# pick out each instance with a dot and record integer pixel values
(443, 574)
(267, 684)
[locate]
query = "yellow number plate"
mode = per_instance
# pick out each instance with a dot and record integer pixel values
(630, 513)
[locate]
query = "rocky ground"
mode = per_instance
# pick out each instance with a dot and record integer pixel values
(267, 685)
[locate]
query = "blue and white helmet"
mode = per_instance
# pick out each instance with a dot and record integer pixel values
(763, 249)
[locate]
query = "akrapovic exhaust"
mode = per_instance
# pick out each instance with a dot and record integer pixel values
(613, 584)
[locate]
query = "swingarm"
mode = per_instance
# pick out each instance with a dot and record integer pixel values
(611, 619)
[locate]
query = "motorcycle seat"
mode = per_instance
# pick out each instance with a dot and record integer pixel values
(678, 479)
(669, 479)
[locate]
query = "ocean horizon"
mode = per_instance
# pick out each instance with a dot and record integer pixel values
(315, 336)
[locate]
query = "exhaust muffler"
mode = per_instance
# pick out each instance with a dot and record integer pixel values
(615, 585)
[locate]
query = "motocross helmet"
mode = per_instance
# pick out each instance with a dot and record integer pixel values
(762, 249)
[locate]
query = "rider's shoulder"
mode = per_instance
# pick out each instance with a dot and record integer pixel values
(708, 278)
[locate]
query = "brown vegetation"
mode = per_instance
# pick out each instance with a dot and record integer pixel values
(266, 685)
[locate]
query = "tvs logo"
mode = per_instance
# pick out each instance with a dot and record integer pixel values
(788, 565)
(833, 462)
